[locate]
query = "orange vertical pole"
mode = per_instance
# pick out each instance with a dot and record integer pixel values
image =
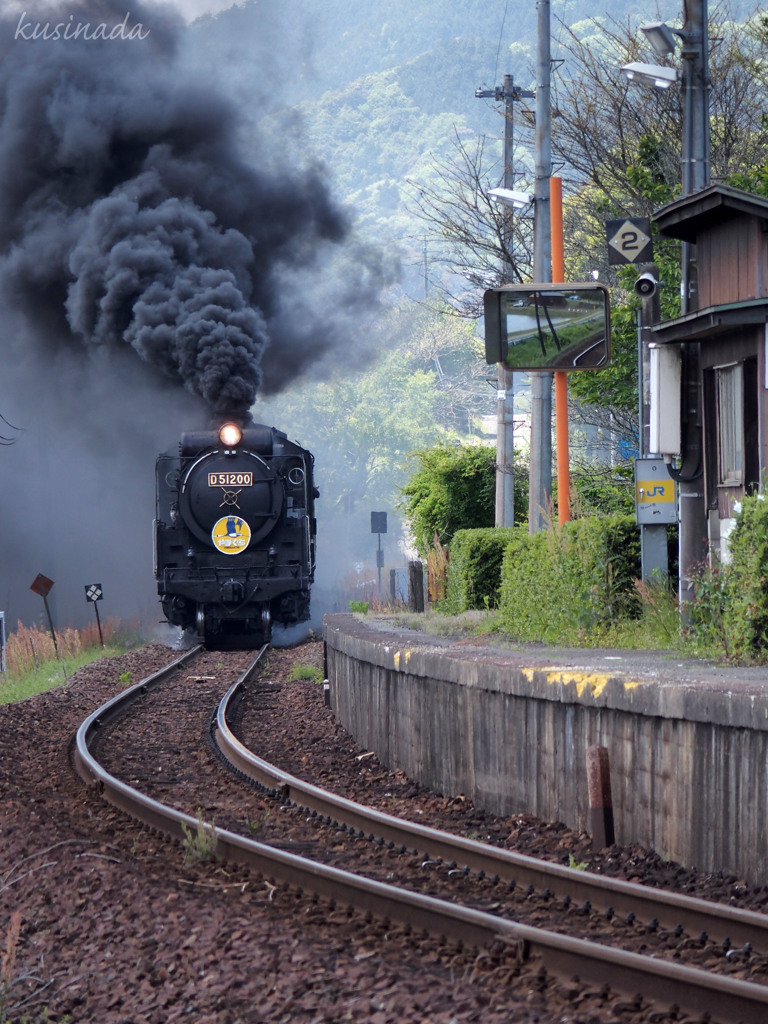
(561, 378)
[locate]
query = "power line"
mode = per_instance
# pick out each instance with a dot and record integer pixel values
(501, 36)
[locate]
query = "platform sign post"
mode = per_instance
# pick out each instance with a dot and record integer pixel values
(379, 526)
(655, 508)
(94, 592)
(2, 643)
(42, 585)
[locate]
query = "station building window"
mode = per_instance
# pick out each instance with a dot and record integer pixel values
(729, 385)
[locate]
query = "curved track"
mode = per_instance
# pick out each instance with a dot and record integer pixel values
(725, 999)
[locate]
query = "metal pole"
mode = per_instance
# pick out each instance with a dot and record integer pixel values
(505, 406)
(654, 560)
(379, 560)
(540, 487)
(695, 175)
(50, 624)
(98, 622)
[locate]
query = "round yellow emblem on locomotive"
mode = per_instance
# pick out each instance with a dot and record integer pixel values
(231, 535)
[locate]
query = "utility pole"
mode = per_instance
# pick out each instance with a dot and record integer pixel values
(695, 175)
(540, 486)
(505, 402)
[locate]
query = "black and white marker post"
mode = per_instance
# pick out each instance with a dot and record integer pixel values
(94, 593)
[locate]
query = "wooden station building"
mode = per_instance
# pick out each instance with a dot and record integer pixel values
(730, 231)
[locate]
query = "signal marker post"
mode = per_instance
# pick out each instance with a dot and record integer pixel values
(630, 241)
(42, 585)
(379, 526)
(94, 592)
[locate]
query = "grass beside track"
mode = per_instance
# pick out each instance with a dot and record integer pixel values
(34, 664)
(50, 674)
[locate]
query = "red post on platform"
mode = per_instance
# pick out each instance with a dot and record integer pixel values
(561, 378)
(600, 802)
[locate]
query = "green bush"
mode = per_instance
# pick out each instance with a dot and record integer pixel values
(450, 487)
(562, 585)
(729, 613)
(474, 569)
(453, 487)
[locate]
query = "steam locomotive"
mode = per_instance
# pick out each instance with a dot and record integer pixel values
(235, 533)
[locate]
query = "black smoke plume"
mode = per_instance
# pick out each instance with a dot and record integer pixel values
(129, 217)
(156, 269)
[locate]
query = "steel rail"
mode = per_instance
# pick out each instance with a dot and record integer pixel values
(669, 909)
(725, 999)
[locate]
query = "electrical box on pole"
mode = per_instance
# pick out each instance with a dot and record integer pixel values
(665, 400)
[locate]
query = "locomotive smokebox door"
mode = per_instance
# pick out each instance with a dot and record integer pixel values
(226, 487)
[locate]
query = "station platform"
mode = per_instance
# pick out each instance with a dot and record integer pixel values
(510, 727)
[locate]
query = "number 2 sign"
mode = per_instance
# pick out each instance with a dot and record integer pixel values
(629, 240)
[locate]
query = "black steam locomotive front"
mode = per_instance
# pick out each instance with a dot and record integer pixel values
(235, 533)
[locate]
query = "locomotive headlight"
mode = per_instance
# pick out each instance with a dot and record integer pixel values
(230, 435)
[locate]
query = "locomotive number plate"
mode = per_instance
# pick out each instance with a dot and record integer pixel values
(230, 479)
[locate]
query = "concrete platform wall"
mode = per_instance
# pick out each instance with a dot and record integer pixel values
(689, 761)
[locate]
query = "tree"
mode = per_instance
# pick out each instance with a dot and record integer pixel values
(425, 387)
(622, 143)
(473, 237)
(452, 487)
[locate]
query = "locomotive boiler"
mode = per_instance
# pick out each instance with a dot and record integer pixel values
(235, 533)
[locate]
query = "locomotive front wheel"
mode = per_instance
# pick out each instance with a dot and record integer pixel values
(266, 624)
(200, 622)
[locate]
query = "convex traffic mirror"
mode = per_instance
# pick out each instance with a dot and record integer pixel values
(546, 327)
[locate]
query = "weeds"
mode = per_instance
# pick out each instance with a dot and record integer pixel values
(200, 844)
(728, 616)
(257, 826)
(33, 666)
(31, 646)
(661, 610)
(8, 961)
(310, 672)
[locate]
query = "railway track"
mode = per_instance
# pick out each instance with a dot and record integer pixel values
(725, 999)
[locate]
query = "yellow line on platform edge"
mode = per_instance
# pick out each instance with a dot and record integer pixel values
(405, 655)
(594, 682)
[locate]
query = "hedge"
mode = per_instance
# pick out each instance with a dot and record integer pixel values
(474, 569)
(562, 583)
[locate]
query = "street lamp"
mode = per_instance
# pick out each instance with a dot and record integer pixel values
(661, 37)
(650, 74)
(511, 197)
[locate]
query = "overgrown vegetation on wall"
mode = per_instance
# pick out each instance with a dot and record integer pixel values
(580, 584)
(729, 614)
(563, 584)
(474, 570)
